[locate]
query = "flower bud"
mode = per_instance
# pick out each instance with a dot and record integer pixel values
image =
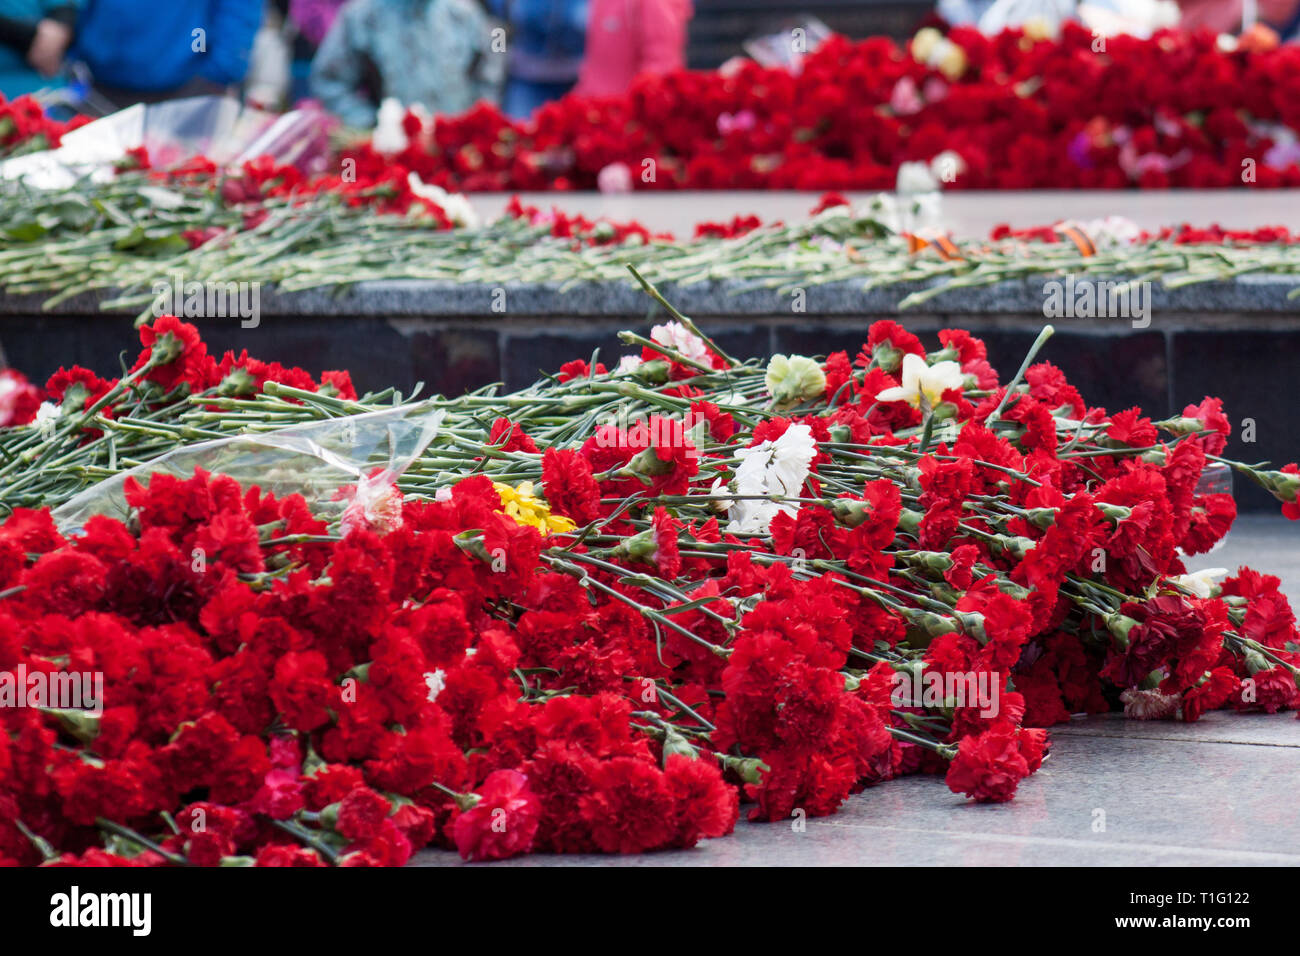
(1115, 513)
(909, 522)
(972, 622)
(166, 348)
(748, 769)
(639, 547)
(1041, 517)
(654, 372)
(648, 462)
(675, 743)
(1119, 626)
(886, 357)
(850, 512)
(1285, 486)
(1181, 425)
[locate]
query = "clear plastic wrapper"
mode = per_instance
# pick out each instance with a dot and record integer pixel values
(336, 464)
(174, 131)
(787, 48)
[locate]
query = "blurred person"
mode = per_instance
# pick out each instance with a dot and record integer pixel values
(435, 53)
(628, 37)
(1218, 16)
(268, 79)
(34, 38)
(143, 51)
(313, 18)
(307, 22)
(546, 42)
(1283, 16)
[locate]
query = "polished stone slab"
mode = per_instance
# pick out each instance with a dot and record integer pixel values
(1266, 542)
(1162, 802)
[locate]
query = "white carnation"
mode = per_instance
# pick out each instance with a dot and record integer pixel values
(456, 207)
(389, 137)
(771, 468)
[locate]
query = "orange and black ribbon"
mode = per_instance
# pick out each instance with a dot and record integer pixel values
(1080, 239)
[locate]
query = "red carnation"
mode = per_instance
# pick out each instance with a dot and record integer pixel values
(988, 766)
(361, 813)
(504, 821)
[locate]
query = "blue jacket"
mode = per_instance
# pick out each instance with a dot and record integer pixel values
(547, 38)
(157, 45)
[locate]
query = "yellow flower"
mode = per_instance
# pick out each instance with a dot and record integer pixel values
(922, 380)
(521, 505)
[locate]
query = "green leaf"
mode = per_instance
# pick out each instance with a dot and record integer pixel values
(27, 231)
(143, 243)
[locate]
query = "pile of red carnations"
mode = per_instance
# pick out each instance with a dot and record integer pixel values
(25, 127)
(1013, 111)
(599, 614)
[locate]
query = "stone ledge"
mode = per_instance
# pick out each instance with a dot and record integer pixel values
(1263, 295)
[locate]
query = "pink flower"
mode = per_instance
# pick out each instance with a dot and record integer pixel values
(376, 505)
(741, 122)
(905, 99)
(615, 178)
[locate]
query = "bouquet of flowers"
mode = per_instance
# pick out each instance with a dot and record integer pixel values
(25, 127)
(594, 615)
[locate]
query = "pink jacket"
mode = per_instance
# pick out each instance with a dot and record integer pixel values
(628, 37)
(1220, 16)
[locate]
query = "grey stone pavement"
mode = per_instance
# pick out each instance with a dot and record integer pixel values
(1219, 792)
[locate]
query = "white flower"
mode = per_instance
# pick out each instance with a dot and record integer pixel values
(676, 336)
(628, 364)
(435, 681)
(945, 167)
(454, 205)
(924, 212)
(794, 379)
(932, 48)
(771, 468)
(718, 491)
(1201, 583)
(920, 380)
(916, 178)
(1110, 231)
(732, 398)
(47, 412)
(908, 212)
(389, 137)
(1149, 704)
